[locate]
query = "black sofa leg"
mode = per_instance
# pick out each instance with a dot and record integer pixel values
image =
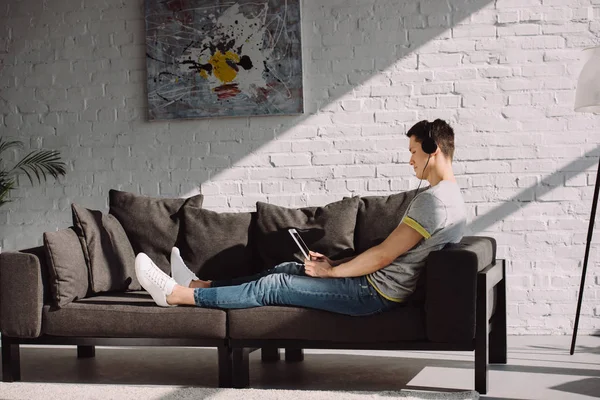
(11, 360)
(481, 336)
(481, 367)
(498, 346)
(225, 367)
(294, 355)
(269, 354)
(240, 367)
(86, 351)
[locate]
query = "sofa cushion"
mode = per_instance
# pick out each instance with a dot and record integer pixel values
(151, 224)
(132, 314)
(68, 272)
(378, 216)
(278, 322)
(107, 251)
(328, 230)
(215, 245)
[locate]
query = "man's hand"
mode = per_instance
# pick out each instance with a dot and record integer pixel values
(319, 267)
(314, 256)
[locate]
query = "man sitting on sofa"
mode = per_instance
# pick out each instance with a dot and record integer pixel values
(374, 281)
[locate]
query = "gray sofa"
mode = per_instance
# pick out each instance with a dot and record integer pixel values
(77, 288)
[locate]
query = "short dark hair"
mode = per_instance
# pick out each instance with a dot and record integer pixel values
(441, 133)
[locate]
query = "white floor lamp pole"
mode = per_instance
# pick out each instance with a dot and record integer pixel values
(587, 99)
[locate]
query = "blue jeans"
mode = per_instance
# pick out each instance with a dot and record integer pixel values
(287, 284)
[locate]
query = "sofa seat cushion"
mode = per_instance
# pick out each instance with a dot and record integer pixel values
(132, 314)
(279, 322)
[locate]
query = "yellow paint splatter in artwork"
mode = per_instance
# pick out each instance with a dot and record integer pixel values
(221, 69)
(203, 74)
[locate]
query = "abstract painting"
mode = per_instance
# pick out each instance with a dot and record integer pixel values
(210, 58)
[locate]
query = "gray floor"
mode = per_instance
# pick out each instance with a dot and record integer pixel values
(539, 367)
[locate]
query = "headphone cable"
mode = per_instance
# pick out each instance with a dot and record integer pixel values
(422, 175)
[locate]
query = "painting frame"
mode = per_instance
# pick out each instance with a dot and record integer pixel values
(238, 58)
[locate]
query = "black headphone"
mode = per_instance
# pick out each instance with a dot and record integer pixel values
(428, 145)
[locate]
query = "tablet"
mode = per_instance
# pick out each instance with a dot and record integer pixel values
(298, 239)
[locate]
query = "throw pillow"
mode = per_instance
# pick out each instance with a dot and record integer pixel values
(68, 272)
(107, 251)
(215, 245)
(378, 216)
(151, 224)
(328, 230)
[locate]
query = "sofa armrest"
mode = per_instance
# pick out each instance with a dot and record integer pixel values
(21, 294)
(451, 288)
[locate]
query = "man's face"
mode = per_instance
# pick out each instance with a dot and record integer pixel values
(418, 158)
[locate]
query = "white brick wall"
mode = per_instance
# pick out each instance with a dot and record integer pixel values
(502, 72)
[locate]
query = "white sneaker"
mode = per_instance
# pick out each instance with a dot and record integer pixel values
(179, 271)
(156, 282)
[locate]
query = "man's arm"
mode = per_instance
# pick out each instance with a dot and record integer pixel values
(402, 239)
(335, 263)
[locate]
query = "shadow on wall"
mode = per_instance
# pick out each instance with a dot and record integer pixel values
(524, 197)
(344, 45)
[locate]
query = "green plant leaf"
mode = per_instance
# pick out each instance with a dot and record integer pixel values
(6, 185)
(7, 144)
(38, 163)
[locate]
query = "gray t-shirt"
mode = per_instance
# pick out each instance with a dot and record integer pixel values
(439, 214)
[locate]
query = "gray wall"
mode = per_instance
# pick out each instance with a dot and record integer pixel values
(503, 73)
